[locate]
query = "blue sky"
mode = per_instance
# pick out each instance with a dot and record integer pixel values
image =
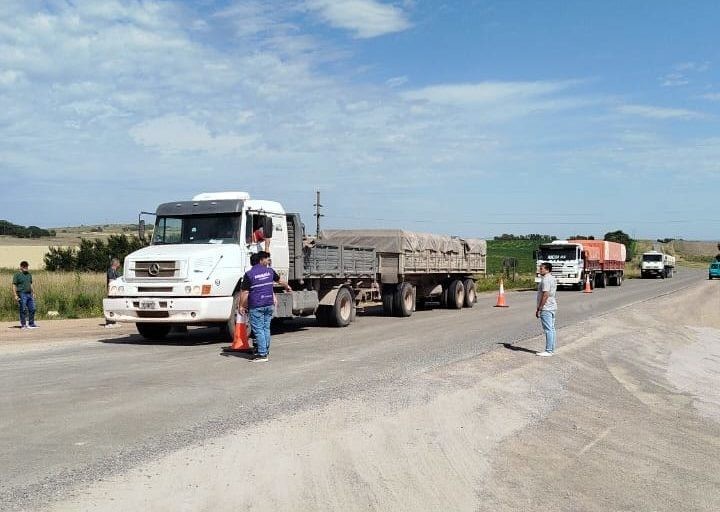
(475, 118)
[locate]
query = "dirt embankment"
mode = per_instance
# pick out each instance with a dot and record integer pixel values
(625, 417)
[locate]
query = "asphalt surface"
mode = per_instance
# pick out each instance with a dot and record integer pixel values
(81, 411)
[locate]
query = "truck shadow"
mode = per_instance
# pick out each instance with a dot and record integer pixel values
(208, 335)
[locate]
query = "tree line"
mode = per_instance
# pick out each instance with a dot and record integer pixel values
(92, 255)
(9, 229)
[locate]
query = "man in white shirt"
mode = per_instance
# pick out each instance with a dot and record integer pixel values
(547, 307)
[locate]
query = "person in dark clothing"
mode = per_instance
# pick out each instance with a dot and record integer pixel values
(258, 299)
(112, 273)
(25, 295)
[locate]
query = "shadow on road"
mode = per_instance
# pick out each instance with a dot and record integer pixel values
(515, 348)
(195, 336)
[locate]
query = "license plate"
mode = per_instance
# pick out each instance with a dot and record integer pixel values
(147, 304)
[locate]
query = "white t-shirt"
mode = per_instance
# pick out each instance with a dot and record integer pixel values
(547, 284)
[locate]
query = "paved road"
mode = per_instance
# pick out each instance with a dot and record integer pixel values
(76, 413)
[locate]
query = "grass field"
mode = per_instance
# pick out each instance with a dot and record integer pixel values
(72, 295)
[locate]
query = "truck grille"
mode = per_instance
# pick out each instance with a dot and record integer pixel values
(155, 269)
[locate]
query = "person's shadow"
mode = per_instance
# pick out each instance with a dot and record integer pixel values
(515, 348)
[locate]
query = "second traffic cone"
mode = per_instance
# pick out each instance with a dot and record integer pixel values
(501, 297)
(241, 339)
(588, 288)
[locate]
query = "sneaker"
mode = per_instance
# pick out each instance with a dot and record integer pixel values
(260, 359)
(110, 326)
(544, 353)
(23, 327)
(33, 326)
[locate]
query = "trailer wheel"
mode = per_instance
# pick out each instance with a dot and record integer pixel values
(388, 300)
(404, 300)
(601, 280)
(155, 332)
(342, 310)
(470, 293)
(455, 295)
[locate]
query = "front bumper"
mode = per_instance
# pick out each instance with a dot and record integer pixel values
(168, 309)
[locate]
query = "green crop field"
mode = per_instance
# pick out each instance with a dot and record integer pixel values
(520, 249)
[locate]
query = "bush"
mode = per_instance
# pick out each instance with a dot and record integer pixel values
(92, 255)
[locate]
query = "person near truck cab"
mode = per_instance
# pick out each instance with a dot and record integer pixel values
(257, 298)
(547, 307)
(113, 273)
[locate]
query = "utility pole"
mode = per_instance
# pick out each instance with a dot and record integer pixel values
(317, 206)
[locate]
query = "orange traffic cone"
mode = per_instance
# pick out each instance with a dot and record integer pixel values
(501, 297)
(588, 288)
(241, 340)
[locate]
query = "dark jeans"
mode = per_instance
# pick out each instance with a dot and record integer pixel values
(27, 302)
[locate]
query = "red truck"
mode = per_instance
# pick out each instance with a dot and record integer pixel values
(573, 261)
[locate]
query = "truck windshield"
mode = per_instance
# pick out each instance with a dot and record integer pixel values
(197, 229)
(652, 257)
(558, 253)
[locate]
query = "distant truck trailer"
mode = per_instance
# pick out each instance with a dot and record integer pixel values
(576, 261)
(657, 264)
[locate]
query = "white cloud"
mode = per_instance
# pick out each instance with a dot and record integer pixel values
(178, 133)
(712, 96)
(652, 112)
(485, 93)
(396, 81)
(366, 18)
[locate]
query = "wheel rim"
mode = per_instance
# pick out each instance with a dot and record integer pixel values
(459, 295)
(408, 300)
(471, 296)
(345, 308)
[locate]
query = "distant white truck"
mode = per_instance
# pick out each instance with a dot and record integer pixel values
(657, 264)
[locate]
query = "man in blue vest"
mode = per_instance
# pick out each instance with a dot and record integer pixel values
(257, 298)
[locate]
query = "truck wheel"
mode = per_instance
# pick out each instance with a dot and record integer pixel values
(342, 310)
(444, 297)
(619, 280)
(470, 293)
(404, 300)
(455, 295)
(227, 330)
(155, 332)
(388, 300)
(322, 314)
(601, 281)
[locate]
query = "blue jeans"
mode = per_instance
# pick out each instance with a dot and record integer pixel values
(27, 302)
(260, 324)
(547, 319)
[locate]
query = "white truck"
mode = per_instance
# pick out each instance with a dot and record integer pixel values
(657, 264)
(192, 271)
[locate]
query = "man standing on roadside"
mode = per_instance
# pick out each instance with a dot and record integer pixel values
(25, 295)
(547, 307)
(112, 273)
(258, 298)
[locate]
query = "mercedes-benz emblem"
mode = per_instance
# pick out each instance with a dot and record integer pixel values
(154, 269)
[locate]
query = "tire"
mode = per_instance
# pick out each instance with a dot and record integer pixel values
(155, 332)
(455, 295)
(601, 280)
(444, 297)
(404, 300)
(342, 311)
(619, 280)
(388, 300)
(227, 330)
(322, 315)
(470, 293)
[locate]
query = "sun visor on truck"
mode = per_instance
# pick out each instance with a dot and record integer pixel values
(180, 208)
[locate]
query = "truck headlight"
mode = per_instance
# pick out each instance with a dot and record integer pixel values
(113, 290)
(188, 290)
(572, 275)
(196, 290)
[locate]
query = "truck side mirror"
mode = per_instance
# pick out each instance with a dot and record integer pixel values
(582, 254)
(141, 229)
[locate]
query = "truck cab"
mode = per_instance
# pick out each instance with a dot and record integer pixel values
(191, 271)
(566, 258)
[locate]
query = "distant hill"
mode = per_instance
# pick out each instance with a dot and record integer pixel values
(7, 228)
